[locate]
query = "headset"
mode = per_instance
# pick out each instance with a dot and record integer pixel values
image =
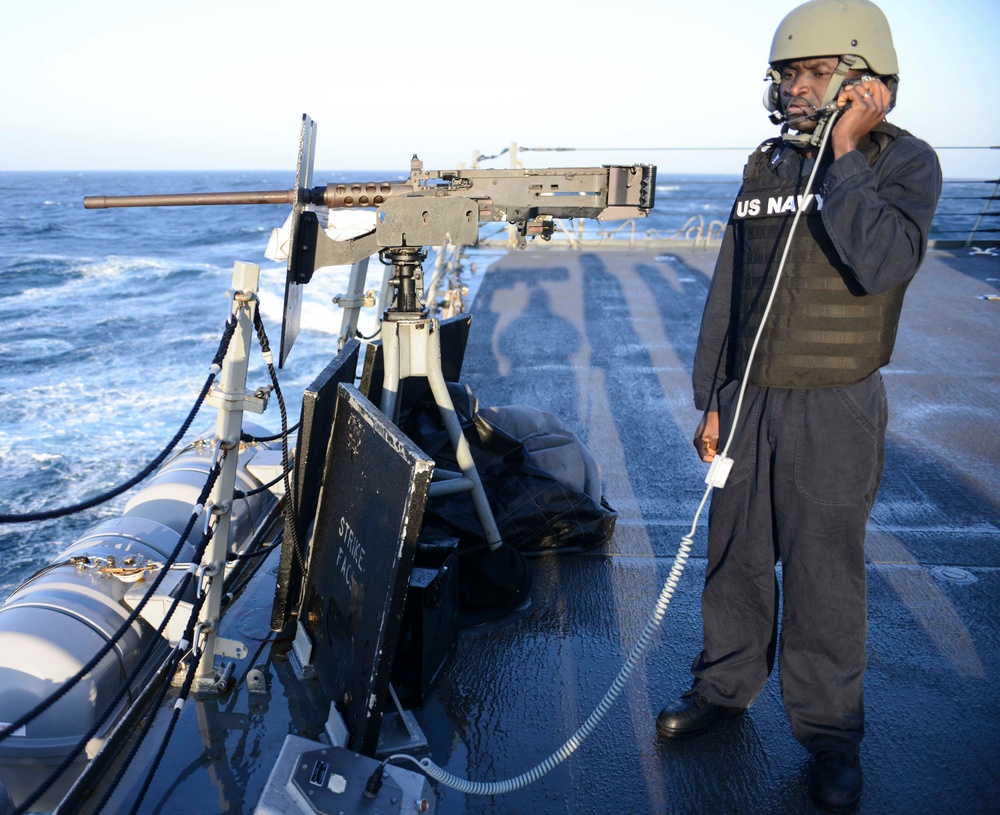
(772, 97)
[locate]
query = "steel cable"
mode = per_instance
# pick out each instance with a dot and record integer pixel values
(182, 698)
(173, 659)
(156, 462)
(291, 502)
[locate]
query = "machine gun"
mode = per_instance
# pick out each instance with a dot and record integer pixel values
(431, 208)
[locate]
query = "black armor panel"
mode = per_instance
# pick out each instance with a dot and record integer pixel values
(823, 329)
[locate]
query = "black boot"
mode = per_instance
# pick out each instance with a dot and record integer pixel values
(691, 714)
(835, 779)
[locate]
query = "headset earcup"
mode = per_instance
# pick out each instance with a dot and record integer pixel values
(892, 83)
(771, 97)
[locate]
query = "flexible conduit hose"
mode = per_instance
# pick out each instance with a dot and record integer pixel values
(570, 746)
(464, 785)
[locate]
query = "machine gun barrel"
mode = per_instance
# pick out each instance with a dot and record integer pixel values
(343, 195)
(195, 199)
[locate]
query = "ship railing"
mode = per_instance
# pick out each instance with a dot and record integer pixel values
(985, 229)
(966, 216)
(695, 233)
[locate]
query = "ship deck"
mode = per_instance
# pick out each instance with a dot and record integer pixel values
(605, 340)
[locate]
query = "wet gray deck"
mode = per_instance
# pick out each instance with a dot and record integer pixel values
(606, 342)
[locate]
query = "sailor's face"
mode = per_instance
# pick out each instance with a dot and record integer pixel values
(803, 84)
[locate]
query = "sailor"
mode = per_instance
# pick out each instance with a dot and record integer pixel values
(807, 444)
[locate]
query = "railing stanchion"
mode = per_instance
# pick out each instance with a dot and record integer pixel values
(229, 397)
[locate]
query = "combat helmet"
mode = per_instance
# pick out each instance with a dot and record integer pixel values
(856, 31)
(822, 28)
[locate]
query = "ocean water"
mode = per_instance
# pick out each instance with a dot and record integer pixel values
(109, 320)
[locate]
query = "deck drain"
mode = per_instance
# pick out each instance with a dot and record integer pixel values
(953, 574)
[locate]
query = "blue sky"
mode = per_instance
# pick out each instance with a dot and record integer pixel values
(222, 84)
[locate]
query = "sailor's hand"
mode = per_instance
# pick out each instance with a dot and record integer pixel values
(866, 103)
(706, 437)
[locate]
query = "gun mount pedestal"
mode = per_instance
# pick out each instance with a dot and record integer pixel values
(411, 344)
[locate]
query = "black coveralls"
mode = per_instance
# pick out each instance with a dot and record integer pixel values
(808, 463)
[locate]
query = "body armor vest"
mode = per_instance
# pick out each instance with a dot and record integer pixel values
(823, 329)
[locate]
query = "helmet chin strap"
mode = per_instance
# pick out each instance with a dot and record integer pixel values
(846, 64)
